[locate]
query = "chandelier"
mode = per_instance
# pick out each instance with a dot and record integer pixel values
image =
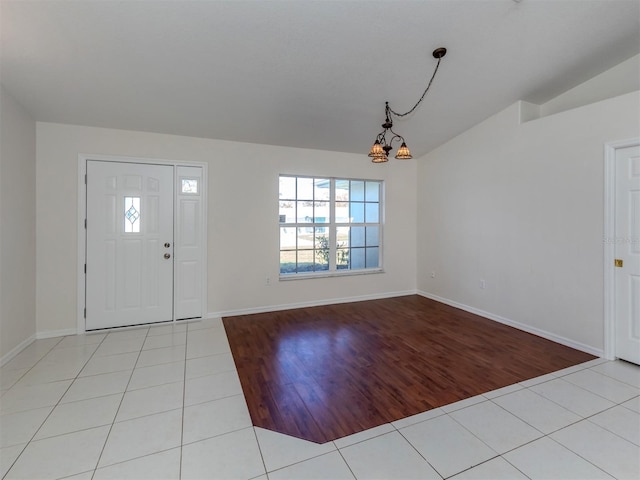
(381, 147)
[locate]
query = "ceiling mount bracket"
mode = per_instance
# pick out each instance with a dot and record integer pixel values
(439, 52)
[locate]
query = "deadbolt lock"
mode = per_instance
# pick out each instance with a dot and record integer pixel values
(167, 255)
(618, 262)
(167, 245)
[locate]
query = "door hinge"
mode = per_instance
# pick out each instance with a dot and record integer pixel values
(85, 223)
(85, 268)
(85, 313)
(618, 262)
(85, 178)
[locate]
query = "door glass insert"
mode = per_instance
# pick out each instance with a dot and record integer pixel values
(189, 185)
(132, 214)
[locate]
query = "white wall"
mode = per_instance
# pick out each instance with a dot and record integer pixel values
(17, 226)
(521, 206)
(619, 80)
(242, 218)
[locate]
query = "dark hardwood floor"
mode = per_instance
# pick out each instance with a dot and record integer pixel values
(325, 372)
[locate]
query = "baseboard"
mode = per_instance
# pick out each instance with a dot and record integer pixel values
(520, 326)
(314, 303)
(16, 350)
(56, 333)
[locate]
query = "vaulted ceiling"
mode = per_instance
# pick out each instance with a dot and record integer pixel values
(303, 73)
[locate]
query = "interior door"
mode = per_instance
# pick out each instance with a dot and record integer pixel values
(129, 259)
(627, 254)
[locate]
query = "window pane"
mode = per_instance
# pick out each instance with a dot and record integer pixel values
(287, 238)
(357, 236)
(372, 191)
(373, 236)
(357, 212)
(287, 188)
(132, 214)
(372, 257)
(357, 258)
(321, 239)
(357, 191)
(288, 261)
(342, 258)
(287, 212)
(305, 212)
(305, 237)
(321, 212)
(372, 215)
(342, 212)
(342, 234)
(342, 190)
(305, 188)
(322, 189)
(305, 261)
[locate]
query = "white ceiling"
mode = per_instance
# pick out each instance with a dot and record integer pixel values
(303, 73)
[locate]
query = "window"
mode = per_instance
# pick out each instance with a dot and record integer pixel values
(329, 225)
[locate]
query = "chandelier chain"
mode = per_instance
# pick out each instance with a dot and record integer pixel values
(423, 94)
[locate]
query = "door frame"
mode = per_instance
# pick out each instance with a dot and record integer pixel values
(609, 242)
(82, 237)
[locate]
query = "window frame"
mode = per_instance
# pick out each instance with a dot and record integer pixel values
(332, 225)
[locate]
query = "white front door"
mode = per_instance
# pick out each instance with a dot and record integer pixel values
(129, 256)
(627, 254)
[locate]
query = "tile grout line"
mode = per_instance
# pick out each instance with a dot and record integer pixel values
(32, 366)
(184, 395)
(54, 406)
(119, 406)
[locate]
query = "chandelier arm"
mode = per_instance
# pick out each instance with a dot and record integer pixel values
(395, 137)
(421, 98)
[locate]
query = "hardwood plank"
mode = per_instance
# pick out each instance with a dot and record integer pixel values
(322, 373)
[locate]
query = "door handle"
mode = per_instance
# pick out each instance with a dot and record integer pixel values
(167, 255)
(167, 245)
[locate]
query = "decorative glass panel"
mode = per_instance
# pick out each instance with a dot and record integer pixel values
(190, 185)
(132, 214)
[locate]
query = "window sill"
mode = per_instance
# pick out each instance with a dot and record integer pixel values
(346, 273)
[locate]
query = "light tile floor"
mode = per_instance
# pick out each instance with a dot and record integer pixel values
(166, 403)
